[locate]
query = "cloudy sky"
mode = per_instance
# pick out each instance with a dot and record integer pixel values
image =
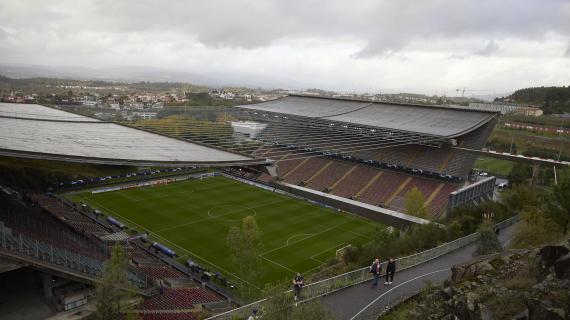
(428, 46)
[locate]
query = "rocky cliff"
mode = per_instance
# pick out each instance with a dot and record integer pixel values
(516, 284)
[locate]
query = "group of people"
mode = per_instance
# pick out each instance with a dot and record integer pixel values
(376, 270)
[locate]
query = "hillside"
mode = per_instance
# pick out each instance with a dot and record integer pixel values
(551, 99)
(534, 282)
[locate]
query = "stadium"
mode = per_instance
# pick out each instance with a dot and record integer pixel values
(317, 174)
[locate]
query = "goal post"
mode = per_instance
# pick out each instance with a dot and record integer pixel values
(341, 251)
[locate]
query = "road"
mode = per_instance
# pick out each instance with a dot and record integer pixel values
(363, 302)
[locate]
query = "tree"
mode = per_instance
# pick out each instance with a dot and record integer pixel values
(114, 291)
(520, 173)
(559, 204)
(279, 306)
(519, 197)
(416, 203)
(535, 229)
(487, 242)
(245, 248)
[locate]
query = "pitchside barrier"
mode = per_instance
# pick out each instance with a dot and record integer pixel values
(343, 281)
(276, 189)
(154, 182)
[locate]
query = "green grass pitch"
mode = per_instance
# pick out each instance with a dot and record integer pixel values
(193, 218)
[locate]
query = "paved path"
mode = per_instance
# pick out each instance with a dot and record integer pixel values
(363, 302)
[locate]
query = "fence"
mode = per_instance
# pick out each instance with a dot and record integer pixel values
(330, 285)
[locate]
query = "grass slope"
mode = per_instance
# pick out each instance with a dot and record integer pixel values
(194, 217)
(494, 166)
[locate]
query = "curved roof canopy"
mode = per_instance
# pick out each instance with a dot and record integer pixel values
(35, 131)
(429, 120)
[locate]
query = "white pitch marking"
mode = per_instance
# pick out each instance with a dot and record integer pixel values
(394, 288)
(314, 234)
(296, 235)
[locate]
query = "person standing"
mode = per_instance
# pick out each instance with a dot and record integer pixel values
(390, 270)
(376, 269)
(253, 315)
(298, 283)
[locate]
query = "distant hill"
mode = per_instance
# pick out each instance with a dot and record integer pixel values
(148, 74)
(551, 99)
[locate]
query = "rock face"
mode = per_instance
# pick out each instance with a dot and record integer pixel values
(502, 286)
(544, 310)
(546, 258)
(466, 271)
(562, 267)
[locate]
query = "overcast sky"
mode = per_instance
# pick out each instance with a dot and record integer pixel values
(427, 46)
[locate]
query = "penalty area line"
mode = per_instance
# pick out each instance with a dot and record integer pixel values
(277, 264)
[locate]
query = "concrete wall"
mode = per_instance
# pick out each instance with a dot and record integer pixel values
(381, 215)
(477, 192)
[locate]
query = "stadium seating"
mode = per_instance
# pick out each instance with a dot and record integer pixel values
(170, 316)
(265, 178)
(59, 209)
(162, 272)
(431, 158)
(305, 171)
(439, 203)
(381, 190)
(283, 167)
(87, 227)
(330, 175)
(184, 298)
(352, 183)
(36, 224)
(426, 187)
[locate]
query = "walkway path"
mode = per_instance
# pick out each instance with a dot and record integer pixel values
(363, 302)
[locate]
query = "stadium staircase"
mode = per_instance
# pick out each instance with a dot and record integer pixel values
(401, 187)
(381, 189)
(330, 175)
(323, 168)
(363, 189)
(354, 181)
(296, 167)
(344, 176)
(308, 168)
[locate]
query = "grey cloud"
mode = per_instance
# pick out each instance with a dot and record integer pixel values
(567, 53)
(330, 42)
(385, 26)
(490, 49)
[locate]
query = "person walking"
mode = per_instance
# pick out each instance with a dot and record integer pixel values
(376, 269)
(298, 283)
(390, 270)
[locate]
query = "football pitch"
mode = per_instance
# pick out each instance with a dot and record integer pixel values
(193, 218)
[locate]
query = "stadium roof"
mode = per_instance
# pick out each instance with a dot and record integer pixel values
(429, 120)
(34, 131)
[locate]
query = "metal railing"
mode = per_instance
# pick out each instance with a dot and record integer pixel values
(39, 252)
(343, 281)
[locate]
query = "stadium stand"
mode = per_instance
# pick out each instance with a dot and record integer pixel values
(170, 316)
(305, 170)
(352, 183)
(45, 231)
(330, 175)
(380, 191)
(36, 224)
(342, 145)
(161, 272)
(172, 299)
